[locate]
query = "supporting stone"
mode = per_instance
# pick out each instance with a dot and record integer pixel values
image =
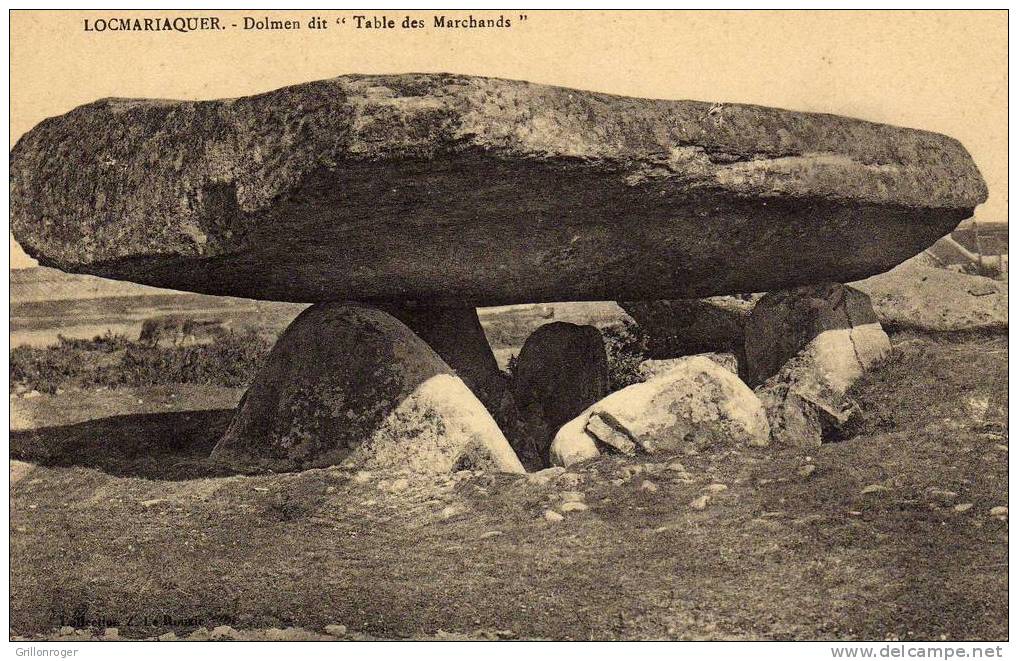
(561, 370)
(457, 336)
(810, 345)
(782, 323)
(689, 327)
(353, 386)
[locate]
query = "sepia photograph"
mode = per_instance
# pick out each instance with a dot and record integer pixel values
(508, 325)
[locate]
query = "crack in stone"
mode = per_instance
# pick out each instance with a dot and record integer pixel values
(851, 327)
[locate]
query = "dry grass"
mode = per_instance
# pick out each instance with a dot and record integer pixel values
(101, 532)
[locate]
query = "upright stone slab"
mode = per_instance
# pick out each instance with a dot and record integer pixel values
(561, 370)
(782, 323)
(350, 385)
(808, 346)
(462, 191)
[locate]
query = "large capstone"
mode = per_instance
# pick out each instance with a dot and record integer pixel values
(350, 385)
(465, 191)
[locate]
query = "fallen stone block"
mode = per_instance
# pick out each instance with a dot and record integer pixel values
(916, 297)
(694, 406)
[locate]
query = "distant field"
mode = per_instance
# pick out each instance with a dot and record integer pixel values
(37, 323)
(46, 303)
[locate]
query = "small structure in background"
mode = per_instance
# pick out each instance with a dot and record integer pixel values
(976, 248)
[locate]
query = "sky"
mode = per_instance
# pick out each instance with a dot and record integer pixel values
(940, 71)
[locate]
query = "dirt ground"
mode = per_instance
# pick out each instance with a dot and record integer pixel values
(117, 521)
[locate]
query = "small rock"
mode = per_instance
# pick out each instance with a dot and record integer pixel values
(717, 487)
(111, 633)
(675, 466)
(154, 501)
(223, 632)
(653, 469)
(875, 488)
(699, 503)
(168, 636)
(943, 496)
(806, 470)
(769, 525)
(545, 476)
(450, 511)
(363, 477)
(395, 486)
(662, 529)
(1000, 511)
(66, 631)
(490, 534)
(337, 630)
(649, 486)
(552, 516)
(261, 489)
(201, 633)
(573, 506)
(570, 479)
(572, 496)
(963, 507)
(629, 472)
(808, 520)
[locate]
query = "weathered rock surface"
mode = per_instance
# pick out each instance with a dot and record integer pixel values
(457, 190)
(656, 367)
(353, 386)
(689, 327)
(806, 401)
(782, 323)
(561, 370)
(693, 406)
(917, 297)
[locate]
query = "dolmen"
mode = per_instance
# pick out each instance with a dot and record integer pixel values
(398, 204)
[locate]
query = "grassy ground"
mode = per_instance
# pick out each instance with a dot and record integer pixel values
(119, 522)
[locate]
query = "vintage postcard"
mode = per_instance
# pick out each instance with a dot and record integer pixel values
(509, 325)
